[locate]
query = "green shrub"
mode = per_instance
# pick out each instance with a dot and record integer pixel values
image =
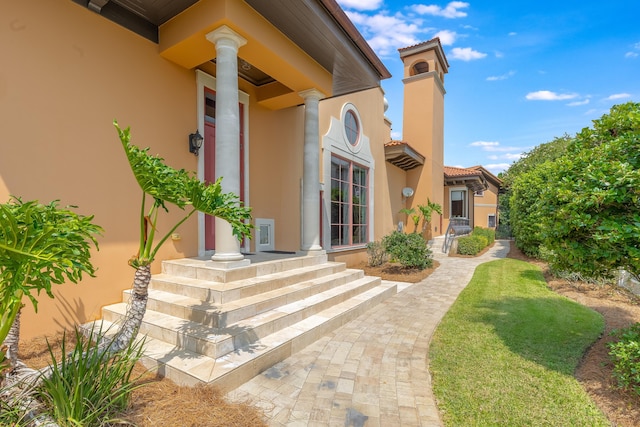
(377, 254)
(90, 386)
(625, 354)
(470, 245)
(479, 239)
(410, 250)
(489, 233)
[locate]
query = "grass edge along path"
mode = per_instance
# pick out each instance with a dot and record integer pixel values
(506, 351)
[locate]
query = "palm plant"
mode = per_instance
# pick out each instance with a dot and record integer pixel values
(182, 189)
(40, 245)
(427, 212)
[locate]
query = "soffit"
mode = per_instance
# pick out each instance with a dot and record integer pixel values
(318, 27)
(402, 155)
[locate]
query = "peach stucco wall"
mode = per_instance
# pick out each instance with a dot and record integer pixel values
(65, 74)
(485, 205)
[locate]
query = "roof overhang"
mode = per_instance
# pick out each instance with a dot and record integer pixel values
(311, 44)
(402, 155)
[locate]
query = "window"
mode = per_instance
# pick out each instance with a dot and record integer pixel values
(349, 210)
(351, 127)
(458, 203)
(491, 221)
(420, 68)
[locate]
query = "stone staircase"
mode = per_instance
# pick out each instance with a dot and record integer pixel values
(207, 325)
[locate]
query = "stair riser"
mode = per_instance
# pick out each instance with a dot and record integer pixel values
(263, 330)
(204, 271)
(255, 288)
(248, 334)
(234, 378)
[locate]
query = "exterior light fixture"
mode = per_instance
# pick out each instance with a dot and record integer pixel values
(407, 192)
(195, 142)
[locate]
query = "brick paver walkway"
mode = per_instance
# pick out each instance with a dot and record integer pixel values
(372, 371)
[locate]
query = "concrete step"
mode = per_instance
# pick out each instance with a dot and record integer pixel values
(224, 292)
(205, 269)
(221, 315)
(187, 367)
(216, 342)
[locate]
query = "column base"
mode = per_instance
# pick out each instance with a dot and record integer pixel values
(228, 265)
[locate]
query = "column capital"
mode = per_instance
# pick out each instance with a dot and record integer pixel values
(312, 93)
(224, 32)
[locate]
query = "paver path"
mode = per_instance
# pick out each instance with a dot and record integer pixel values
(372, 371)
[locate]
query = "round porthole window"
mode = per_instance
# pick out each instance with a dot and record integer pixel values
(351, 127)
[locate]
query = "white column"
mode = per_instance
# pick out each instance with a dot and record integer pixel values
(311, 172)
(227, 165)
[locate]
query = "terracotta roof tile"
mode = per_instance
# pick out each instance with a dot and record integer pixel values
(453, 171)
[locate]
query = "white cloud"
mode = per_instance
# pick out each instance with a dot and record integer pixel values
(545, 95)
(360, 4)
(484, 144)
(577, 103)
(513, 156)
(494, 146)
(496, 168)
(466, 54)
(506, 156)
(501, 77)
(384, 42)
(446, 37)
(449, 11)
(513, 33)
(618, 96)
(631, 55)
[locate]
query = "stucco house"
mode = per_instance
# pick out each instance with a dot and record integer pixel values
(471, 194)
(287, 98)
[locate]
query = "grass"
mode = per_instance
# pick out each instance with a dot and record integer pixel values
(506, 352)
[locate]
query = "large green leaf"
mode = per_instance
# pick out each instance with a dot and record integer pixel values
(40, 245)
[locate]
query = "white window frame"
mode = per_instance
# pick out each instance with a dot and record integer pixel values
(465, 202)
(335, 143)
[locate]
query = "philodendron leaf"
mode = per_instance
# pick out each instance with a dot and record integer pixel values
(181, 188)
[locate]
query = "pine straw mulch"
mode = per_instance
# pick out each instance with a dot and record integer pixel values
(620, 309)
(395, 272)
(160, 402)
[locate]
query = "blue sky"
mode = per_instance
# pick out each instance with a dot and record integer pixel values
(520, 72)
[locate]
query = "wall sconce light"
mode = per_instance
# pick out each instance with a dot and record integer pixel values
(407, 192)
(195, 142)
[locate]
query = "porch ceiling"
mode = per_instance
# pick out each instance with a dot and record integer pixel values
(300, 44)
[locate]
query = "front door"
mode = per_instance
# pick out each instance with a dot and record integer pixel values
(210, 159)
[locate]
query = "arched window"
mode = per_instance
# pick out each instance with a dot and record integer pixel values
(420, 68)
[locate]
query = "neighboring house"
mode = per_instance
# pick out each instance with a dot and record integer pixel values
(287, 96)
(471, 194)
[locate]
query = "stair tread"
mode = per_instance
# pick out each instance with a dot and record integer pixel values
(224, 286)
(198, 304)
(199, 330)
(208, 369)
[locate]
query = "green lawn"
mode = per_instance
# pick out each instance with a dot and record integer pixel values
(505, 354)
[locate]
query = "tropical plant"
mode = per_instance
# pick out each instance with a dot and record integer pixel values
(427, 212)
(409, 212)
(90, 387)
(40, 245)
(166, 185)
